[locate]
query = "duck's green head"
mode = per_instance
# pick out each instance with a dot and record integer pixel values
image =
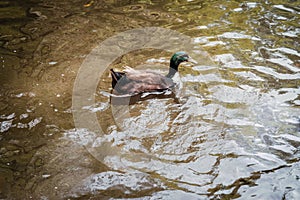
(180, 57)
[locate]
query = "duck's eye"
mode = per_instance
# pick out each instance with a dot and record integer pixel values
(184, 58)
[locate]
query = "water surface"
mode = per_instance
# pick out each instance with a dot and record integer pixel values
(233, 131)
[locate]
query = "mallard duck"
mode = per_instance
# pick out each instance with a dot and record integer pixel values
(132, 81)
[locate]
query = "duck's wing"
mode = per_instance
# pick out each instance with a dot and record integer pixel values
(148, 77)
(133, 81)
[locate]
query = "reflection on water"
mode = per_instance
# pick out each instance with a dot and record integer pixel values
(233, 132)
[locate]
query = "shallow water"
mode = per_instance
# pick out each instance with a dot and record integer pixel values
(233, 130)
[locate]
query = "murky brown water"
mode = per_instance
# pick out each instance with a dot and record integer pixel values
(232, 132)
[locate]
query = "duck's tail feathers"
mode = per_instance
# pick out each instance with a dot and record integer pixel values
(115, 77)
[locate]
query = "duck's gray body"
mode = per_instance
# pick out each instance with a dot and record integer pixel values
(132, 81)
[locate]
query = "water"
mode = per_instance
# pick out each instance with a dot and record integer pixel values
(232, 132)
